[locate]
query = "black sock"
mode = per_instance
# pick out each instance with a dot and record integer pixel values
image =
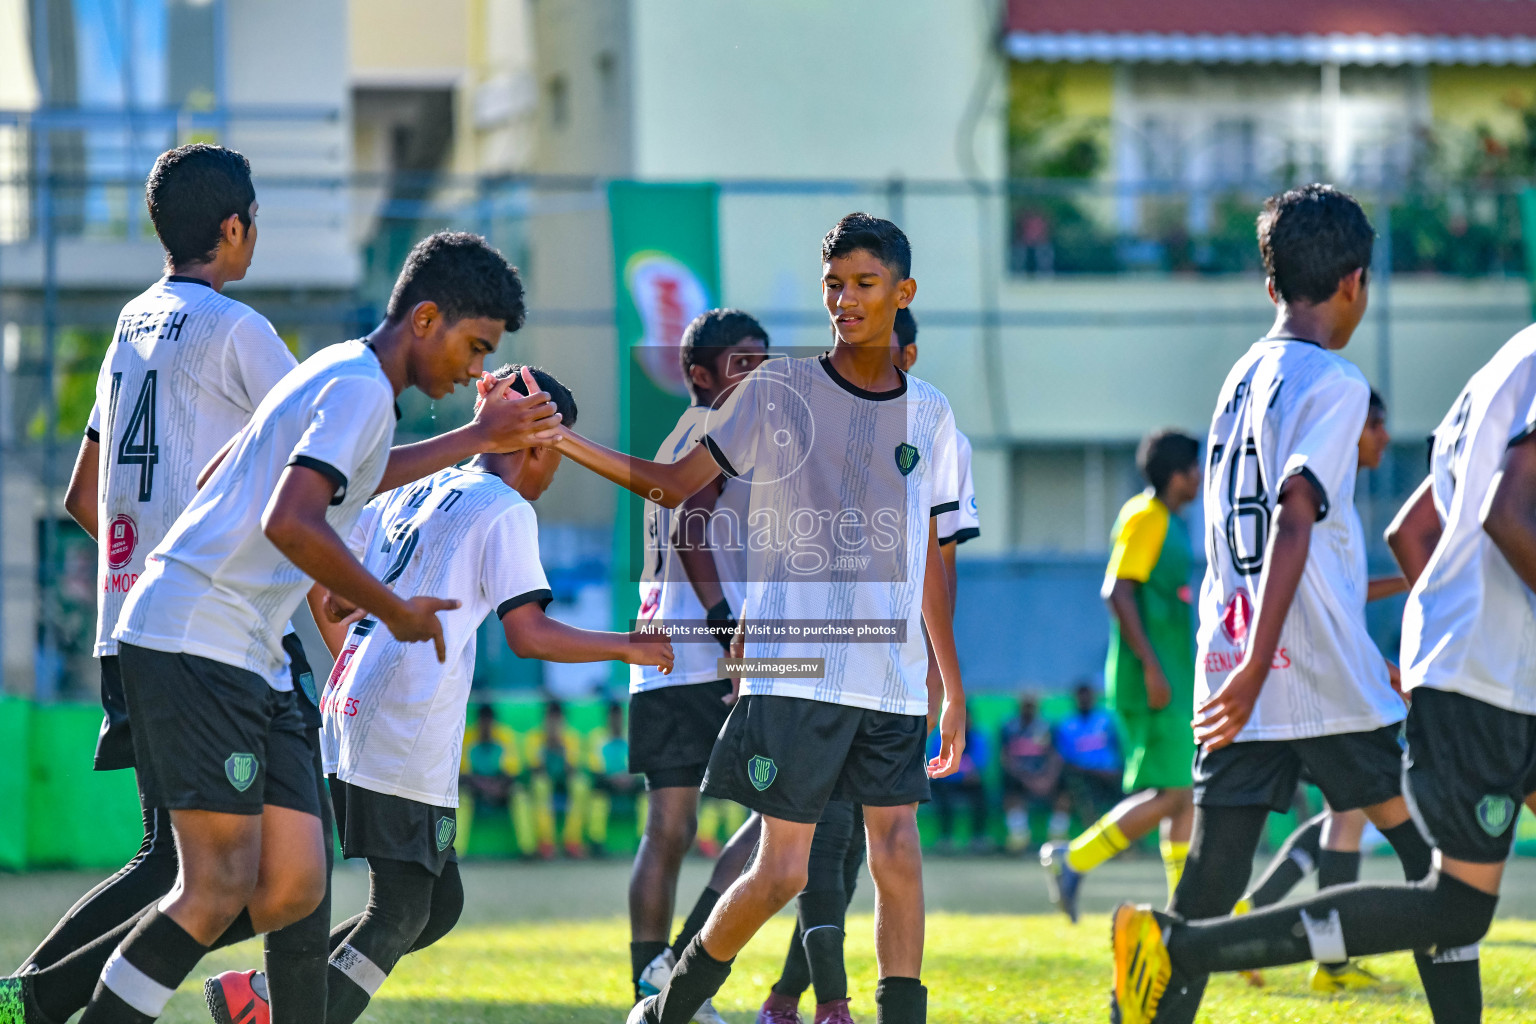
(900, 1001)
(796, 976)
(1416, 855)
(399, 907)
(1296, 856)
(239, 930)
(140, 882)
(698, 977)
(447, 905)
(695, 922)
(821, 929)
(141, 976)
(1338, 867)
(340, 932)
(640, 956)
(62, 989)
(296, 956)
(1453, 984)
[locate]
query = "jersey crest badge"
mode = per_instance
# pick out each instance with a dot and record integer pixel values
(761, 771)
(1494, 813)
(446, 828)
(240, 770)
(1236, 617)
(906, 458)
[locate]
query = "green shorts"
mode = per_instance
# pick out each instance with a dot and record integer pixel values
(1160, 750)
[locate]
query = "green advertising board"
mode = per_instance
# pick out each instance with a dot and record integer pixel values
(666, 260)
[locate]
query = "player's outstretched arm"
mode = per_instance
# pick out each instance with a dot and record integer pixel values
(1509, 517)
(532, 634)
(1414, 533)
(1220, 719)
(666, 483)
(294, 521)
(691, 539)
(81, 498)
(504, 422)
(938, 620)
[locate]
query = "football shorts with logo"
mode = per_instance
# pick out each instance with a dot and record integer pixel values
(785, 757)
(380, 825)
(1353, 769)
(213, 737)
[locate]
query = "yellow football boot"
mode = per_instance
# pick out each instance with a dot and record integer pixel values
(1142, 964)
(1349, 976)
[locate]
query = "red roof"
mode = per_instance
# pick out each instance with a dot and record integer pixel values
(1265, 17)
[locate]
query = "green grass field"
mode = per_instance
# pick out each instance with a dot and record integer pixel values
(544, 944)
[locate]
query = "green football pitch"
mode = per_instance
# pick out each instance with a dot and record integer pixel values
(547, 943)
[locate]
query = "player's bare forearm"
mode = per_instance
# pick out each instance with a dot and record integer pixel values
(1415, 531)
(691, 539)
(1509, 518)
(334, 633)
(1122, 605)
(951, 576)
(217, 460)
(1290, 540)
(532, 634)
(666, 483)
(80, 500)
(1382, 587)
(938, 619)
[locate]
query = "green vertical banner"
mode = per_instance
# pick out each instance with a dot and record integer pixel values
(1528, 234)
(666, 261)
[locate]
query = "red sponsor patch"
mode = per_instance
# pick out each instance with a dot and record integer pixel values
(122, 539)
(1236, 617)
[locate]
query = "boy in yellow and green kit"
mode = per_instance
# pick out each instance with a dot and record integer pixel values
(1149, 675)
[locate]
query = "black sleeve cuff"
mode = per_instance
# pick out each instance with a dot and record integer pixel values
(541, 596)
(960, 536)
(92, 434)
(948, 506)
(326, 470)
(719, 457)
(1322, 492)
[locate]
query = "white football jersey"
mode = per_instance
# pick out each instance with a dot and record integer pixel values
(186, 368)
(1290, 408)
(1470, 623)
(215, 586)
(394, 715)
(843, 484)
(666, 595)
(964, 523)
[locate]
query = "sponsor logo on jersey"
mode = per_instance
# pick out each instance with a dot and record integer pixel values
(122, 539)
(650, 602)
(906, 458)
(1236, 617)
(446, 827)
(1494, 813)
(761, 771)
(240, 770)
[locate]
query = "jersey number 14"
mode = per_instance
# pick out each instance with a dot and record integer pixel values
(137, 446)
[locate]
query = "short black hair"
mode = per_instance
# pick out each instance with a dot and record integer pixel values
(464, 275)
(879, 237)
(485, 711)
(565, 402)
(1164, 453)
(1311, 238)
(906, 327)
(1377, 404)
(191, 191)
(714, 331)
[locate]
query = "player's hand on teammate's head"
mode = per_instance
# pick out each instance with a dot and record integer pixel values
(511, 421)
(951, 741)
(417, 621)
(1220, 719)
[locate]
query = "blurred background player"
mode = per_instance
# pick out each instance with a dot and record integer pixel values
(559, 783)
(1149, 676)
(614, 787)
(965, 792)
(695, 571)
(1031, 774)
(493, 780)
(1088, 743)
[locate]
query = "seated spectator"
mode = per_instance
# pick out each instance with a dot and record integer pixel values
(1089, 746)
(1031, 771)
(561, 784)
(612, 783)
(965, 788)
(491, 780)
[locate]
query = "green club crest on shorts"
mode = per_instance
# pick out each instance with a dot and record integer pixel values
(761, 771)
(446, 827)
(307, 684)
(906, 458)
(1494, 813)
(240, 770)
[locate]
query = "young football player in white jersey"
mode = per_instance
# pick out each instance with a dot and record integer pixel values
(1287, 678)
(218, 738)
(394, 715)
(851, 463)
(1466, 540)
(695, 568)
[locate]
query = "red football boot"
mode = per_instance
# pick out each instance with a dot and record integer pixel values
(238, 997)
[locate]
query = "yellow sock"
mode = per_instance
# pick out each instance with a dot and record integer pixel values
(1174, 855)
(1099, 843)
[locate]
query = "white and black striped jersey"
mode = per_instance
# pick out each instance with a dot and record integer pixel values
(216, 586)
(393, 714)
(964, 523)
(186, 368)
(666, 595)
(843, 484)
(1291, 408)
(1470, 622)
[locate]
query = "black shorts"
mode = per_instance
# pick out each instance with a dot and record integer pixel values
(1353, 769)
(114, 744)
(672, 731)
(785, 757)
(212, 737)
(392, 827)
(1469, 767)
